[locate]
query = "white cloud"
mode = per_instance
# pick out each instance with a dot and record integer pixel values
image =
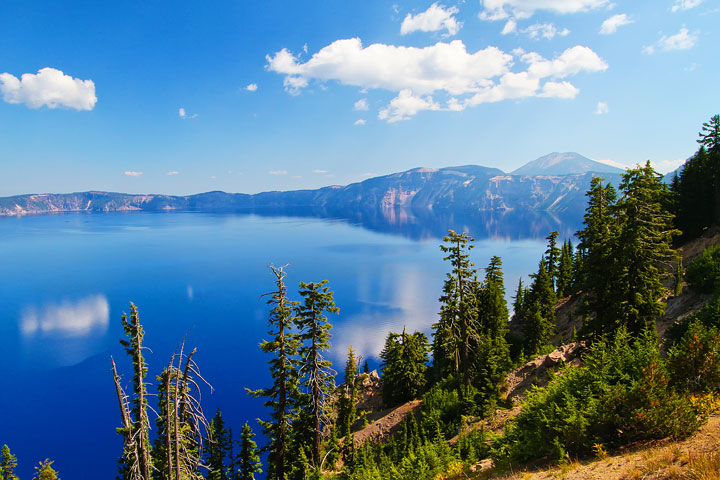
(277, 172)
(49, 87)
(544, 30)
(510, 27)
(360, 122)
(683, 40)
(362, 105)
(133, 174)
(447, 68)
(494, 10)
(685, 4)
(406, 105)
(434, 19)
(184, 115)
(72, 319)
(320, 171)
(252, 87)
(370, 174)
(602, 108)
(611, 25)
(173, 172)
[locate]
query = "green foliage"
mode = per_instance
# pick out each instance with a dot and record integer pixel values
(218, 450)
(282, 396)
(696, 190)
(643, 251)
(703, 273)
(552, 257)
(538, 313)
(621, 395)
(316, 373)
(404, 365)
(248, 461)
(457, 325)
(441, 409)
(45, 471)
(566, 270)
(597, 258)
(694, 361)
(347, 413)
(8, 463)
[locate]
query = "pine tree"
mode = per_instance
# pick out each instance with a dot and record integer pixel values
(710, 134)
(552, 256)
(318, 377)
(218, 449)
(282, 396)
(644, 250)
(248, 460)
(348, 398)
(538, 325)
(45, 471)
(492, 353)
(596, 254)
(136, 460)
(404, 365)
(454, 333)
(8, 464)
(565, 270)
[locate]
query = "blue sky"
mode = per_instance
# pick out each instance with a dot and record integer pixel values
(183, 97)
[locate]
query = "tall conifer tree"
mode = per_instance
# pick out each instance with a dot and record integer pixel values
(8, 463)
(318, 377)
(454, 333)
(248, 461)
(282, 396)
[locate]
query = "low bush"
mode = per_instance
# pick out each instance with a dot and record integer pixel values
(703, 273)
(622, 394)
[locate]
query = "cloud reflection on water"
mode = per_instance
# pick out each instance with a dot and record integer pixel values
(405, 303)
(67, 319)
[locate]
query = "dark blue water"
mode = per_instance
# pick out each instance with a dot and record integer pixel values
(65, 280)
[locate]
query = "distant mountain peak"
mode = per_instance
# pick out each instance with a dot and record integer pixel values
(565, 163)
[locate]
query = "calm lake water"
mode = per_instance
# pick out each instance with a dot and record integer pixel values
(67, 279)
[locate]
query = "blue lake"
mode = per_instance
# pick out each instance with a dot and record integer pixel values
(66, 280)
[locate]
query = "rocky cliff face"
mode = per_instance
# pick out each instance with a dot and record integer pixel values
(468, 187)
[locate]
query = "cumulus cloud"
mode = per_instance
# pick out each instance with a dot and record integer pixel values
(414, 74)
(544, 30)
(602, 108)
(613, 163)
(362, 105)
(434, 19)
(252, 87)
(494, 10)
(611, 25)
(184, 115)
(48, 87)
(173, 172)
(360, 122)
(72, 319)
(278, 172)
(683, 40)
(685, 4)
(405, 105)
(133, 174)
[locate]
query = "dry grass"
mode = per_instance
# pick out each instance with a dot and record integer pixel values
(704, 466)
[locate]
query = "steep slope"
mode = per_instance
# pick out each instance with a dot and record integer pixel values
(564, 164)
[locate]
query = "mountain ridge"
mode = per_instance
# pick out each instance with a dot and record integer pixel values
(472, 187)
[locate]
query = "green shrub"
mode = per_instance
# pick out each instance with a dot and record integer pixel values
(694, 361)
(442, 409)
(703, 273)
(622, 394)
